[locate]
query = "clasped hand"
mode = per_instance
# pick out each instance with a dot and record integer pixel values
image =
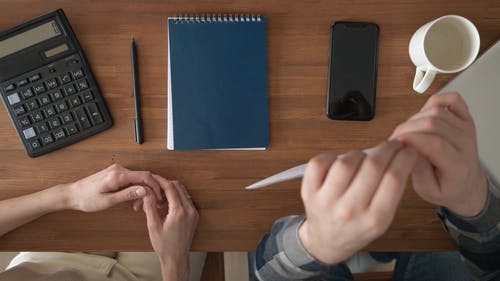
(351, 200)
(170, 212)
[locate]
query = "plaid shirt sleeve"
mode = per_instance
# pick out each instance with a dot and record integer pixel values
(478, 238)
(281, 256)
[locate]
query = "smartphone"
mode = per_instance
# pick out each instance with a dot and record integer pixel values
(352, 71)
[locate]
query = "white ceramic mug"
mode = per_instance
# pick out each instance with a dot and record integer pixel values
(445, 45)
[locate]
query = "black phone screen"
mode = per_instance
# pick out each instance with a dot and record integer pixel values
(352, 71)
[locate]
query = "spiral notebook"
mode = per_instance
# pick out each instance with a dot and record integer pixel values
(217, 82)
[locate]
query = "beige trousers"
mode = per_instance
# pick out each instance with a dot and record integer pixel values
(122, 266)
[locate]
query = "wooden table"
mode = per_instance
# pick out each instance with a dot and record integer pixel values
(231, 218)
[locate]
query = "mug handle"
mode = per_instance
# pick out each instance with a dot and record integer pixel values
(423, 79)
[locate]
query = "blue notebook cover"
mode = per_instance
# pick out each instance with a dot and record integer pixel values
(217, 83)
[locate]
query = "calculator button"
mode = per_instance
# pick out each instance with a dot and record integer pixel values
(27, 93)
(59, 134)
(37, 116)
(22, 82)
(24, 121)
(61, 106)
(51, 83)
(42, 128)
(73, 62)
(82, 85)
(69, 90)
(45, 99)
(77, 74)
(54, 123)
(14, 98)
(82, 117)
(66, 117)
(57, 95)
(10, 87)
(35, 144)
(71, 129)
(94, 114)
(66, 78)
(29, 133)
(87, 96)
(74, 101)
(39, 88)
(35, 77)
(47, 139)
(19, 110)
(49, 111)
(32, 104)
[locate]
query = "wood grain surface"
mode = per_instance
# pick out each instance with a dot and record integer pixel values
(231, 218)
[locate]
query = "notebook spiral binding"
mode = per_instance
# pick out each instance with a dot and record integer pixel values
(216, 18)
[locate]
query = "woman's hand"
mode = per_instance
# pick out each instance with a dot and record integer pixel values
(110, 187)
(171, 234)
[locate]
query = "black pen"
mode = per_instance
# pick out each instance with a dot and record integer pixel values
(139, 138)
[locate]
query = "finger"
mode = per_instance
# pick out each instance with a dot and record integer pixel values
(444, 114)
(192, 213)
(162, 209)
(121, 177)
(392, 186)
(341, 173)
(434, 148)
(425, 182)
(453, 101)
(152, 216)
(316, 171)
(143, 177)
(370, 173)
(185, 197)
(128, 194)
(171, 193)
(137, 205)
(432, 125)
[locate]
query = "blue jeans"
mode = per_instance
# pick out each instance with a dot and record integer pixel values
(430, 266)
(418, 266)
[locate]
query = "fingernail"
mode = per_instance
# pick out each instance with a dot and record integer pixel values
(397, 139)
(140, 192)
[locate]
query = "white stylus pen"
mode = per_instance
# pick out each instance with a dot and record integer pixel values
(290, 174)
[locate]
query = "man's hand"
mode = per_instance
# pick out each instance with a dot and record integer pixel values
(351, 200)
(171, 234)
(109, 187)
(448, 173)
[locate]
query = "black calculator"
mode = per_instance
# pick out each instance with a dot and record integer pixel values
(47, 86)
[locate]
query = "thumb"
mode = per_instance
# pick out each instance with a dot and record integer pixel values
(152, 216)
(424, 181)
(128, 194)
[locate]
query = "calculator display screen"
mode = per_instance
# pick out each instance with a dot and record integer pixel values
(29, 38)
